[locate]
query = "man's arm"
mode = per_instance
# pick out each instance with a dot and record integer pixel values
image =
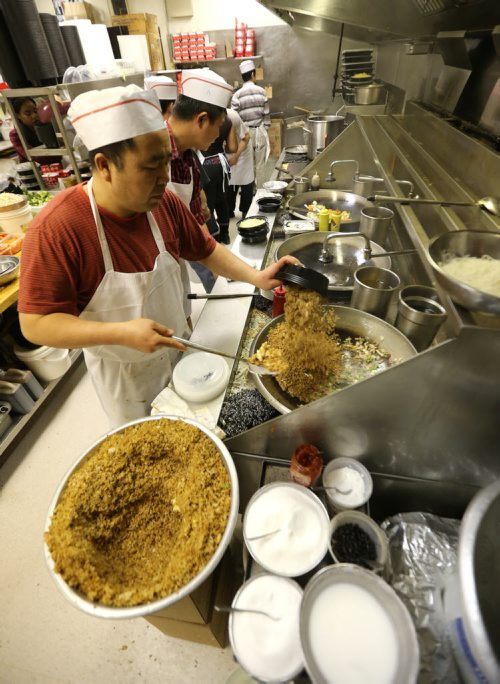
(71, 332)
(233, 159)
(223, 262)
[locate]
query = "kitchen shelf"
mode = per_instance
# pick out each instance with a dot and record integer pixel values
(42, 151)
(21, 420)
(219, 59)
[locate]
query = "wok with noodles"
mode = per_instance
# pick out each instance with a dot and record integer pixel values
(316, 350)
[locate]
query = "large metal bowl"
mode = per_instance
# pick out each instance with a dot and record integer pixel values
(478, 564)
(332, 199)
(465, 243)
(347, 253)
(79, 601)
(345, 574)
(349, 322)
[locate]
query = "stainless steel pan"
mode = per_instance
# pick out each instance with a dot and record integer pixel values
(332, 199)
(350, 323)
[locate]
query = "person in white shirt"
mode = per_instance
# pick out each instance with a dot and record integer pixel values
(241, 163)
(251, 103)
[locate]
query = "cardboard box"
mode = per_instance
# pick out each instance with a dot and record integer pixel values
(193, 618)
(78, 10)
(156, 56)
(275, 133)
(137, 23)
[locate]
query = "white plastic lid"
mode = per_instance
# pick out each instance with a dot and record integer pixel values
(200, 376)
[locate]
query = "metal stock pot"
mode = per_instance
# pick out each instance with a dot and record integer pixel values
(319, 132)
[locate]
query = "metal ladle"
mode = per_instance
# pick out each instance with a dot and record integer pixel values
(489, 204)
(253, 368)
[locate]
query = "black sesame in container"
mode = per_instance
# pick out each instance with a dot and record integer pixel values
(356, 538)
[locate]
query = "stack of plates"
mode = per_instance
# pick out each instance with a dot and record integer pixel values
(356, 69)
(26, 176)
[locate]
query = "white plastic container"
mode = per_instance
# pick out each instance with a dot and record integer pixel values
(200, 376)
(348, 474)
(16, 222)
(268, 648)
(47, 363)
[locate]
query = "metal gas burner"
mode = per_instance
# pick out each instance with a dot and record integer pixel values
(297, 158)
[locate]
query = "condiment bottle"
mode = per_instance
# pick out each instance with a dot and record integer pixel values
(306, 465)
(315, 181)
(278, 301)
(324, 219)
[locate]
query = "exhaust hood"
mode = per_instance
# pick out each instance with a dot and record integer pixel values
(383, 20)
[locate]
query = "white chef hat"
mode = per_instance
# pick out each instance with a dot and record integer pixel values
(206, 86)
(163, 86)
(246, 66)
(103, 117)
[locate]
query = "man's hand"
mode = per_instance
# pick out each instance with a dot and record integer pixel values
(147, 335)
(267, 280)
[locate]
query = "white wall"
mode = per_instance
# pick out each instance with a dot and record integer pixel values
(213, 15)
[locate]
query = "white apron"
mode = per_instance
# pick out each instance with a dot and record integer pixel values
(127, 380)
(261, 145)
(185, 192)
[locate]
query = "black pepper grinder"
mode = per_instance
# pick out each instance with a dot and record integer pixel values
(278, 301)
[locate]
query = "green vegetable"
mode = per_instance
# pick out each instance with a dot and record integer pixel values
(38, 197)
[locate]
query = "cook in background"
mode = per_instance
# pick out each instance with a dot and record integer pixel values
(251, 103)
(217, 168)
(189, 112)
(241, 163)
(101, 270)
(27, 118)
(166, 89)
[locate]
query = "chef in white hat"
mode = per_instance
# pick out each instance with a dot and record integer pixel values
(166, 89)
(251, 103)
(198, 114)
(100, 266)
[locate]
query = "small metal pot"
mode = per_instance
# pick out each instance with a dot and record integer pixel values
(369, 94)
(301, 184)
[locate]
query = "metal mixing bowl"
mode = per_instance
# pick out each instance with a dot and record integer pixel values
(9, 268)
(79, 601)
(465, 243)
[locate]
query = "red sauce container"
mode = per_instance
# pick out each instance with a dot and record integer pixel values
(306, 465)
(278, 301)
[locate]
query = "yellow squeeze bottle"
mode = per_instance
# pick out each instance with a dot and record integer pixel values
(324, 219)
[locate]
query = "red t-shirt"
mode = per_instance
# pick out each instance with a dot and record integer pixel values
(62, 262)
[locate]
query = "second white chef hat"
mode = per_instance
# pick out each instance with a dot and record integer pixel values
(163, 86)
(103, 117)
(207, 86)
(246, 66)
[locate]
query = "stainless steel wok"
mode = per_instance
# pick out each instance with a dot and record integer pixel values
(347, 251)
(350, 323)
(332, 199)
(461, 243)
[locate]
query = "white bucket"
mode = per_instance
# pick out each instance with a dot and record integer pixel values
(47, 363)
(16, 221)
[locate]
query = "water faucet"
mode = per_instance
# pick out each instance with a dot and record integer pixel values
(326, 256)
(330, 177)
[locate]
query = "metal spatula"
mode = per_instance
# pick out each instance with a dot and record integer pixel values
(258, 370)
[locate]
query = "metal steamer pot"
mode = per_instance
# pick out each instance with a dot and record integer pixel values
(349, 323)
(319, 131)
